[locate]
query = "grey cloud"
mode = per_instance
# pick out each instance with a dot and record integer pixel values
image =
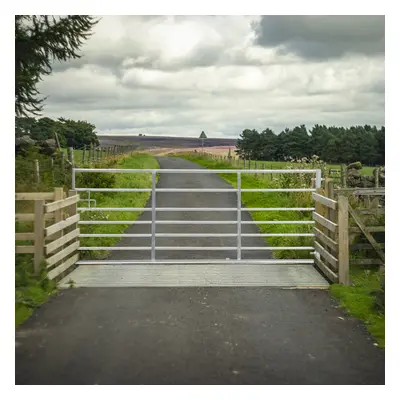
(323, 37)
(124, 82)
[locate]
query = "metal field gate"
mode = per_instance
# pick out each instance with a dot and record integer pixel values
(154, 209)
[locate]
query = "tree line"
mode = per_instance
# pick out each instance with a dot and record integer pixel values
(68, 132)
(332, 144)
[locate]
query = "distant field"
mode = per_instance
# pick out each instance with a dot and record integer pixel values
(163, 145)
(224, 150)
(151, 142)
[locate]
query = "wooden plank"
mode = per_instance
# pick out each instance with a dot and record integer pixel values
(343, 240)
(362, 191)
(369, 237)
(369, 192)
(57, 205)
(325, 239)
(31, 217)
(364, 246)
(24, 249)
(333, 261)
(58, 215)
(35, 196)
(324, 222)
(39, 225)
(25, 216)
(63, 267)
(49, 248)
(370, 211)
(62, 254)
(332, 204)
(326, 271)
(366, 261)
(62, 225)
(356, 229)
(25, 236)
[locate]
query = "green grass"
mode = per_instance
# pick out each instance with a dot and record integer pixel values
(359, 301)
(272, 200)
(30, 290)
(117, 199)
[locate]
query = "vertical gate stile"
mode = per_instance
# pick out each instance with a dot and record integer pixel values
(239, 217)
(153, 216)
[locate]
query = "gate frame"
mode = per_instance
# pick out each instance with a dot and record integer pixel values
(239, 190)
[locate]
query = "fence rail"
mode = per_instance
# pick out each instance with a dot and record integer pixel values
(56, 244)
(331, 247)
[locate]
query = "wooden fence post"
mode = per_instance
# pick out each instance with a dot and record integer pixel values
(58, 214)
(343, 240)
(52, 169)
(39, 235)
(62, 167)
(376, 176)
(37, 171)
(73, 209)
(71, 156)
(84, 155)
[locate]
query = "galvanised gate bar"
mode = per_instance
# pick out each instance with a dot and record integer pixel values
(238, 222)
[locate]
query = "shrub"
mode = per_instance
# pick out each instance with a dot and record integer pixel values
(95, 180)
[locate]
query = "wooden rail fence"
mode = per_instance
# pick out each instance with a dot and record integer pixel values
(55, 236)
(331, 237)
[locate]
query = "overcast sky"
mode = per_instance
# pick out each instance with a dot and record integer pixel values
(178, 76)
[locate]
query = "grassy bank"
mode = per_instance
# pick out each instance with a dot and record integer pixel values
(273, 200)
(31, 291)
(360, 302)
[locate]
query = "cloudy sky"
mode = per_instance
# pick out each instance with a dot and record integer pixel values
(177, 76)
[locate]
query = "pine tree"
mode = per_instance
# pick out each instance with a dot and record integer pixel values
(39, 40)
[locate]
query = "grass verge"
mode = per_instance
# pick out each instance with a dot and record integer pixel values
(359, 300)
(30, 290)
(273, 200)
(118, 200)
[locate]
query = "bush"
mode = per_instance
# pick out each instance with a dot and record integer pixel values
(95, 180)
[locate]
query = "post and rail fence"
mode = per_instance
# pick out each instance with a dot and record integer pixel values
(55, 235)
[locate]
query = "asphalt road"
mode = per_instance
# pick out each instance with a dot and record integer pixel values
(194, 335)
(199, 199)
